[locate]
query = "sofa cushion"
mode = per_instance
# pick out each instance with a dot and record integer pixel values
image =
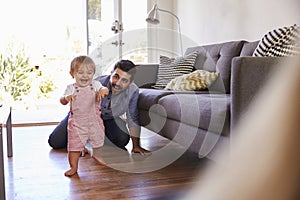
(197, 80)
(206, 111)
(149, 97)
(217, 57)
(279, 42)
(249, 48)
(170, 68)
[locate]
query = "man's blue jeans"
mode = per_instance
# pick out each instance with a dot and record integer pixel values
(116, 133)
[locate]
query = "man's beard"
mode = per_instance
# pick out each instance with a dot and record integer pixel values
(117, 88)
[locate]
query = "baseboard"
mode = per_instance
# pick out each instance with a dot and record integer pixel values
(34, 124)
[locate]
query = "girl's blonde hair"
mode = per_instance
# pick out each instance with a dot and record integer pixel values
(81, 60)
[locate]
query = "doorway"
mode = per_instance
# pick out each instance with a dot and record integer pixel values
(118, 30)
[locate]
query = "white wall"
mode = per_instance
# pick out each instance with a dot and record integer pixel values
(210, 21)
(163, 36)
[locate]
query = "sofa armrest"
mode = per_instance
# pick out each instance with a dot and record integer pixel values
(248, 76)
(146, 75)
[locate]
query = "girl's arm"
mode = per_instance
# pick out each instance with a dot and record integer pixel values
(64, 100)
(68, 95)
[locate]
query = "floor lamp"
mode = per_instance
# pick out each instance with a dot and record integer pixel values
(153, 18)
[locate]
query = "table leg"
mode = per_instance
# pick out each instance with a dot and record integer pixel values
(2, 182)
(9, 135)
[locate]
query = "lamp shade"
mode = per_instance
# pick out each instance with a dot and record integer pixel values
(153, 16)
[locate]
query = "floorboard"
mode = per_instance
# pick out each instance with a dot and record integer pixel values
(36, 171)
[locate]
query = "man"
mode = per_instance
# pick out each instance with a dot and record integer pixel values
(121, 100)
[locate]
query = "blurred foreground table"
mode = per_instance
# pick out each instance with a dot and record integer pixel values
(5, 122)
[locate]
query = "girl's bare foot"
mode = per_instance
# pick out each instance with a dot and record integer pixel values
(73, 157)
(70, 172)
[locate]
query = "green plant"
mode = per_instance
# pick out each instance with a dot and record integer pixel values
(45, 87)
(18, 77)
(15, 73)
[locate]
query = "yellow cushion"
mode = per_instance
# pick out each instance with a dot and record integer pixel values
(197, 80)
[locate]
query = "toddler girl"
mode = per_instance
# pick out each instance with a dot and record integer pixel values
(84, 124)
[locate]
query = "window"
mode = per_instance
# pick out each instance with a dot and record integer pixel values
(51, 32)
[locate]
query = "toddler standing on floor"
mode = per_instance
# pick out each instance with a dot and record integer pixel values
(84, 124)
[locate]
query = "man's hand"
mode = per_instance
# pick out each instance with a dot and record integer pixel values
(140, 150)
(102, 93)
(135, 132)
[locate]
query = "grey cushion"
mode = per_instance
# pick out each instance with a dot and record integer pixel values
(149, 97)
(248, 48)
(206, 111)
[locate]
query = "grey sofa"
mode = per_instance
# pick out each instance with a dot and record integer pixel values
(201, 121)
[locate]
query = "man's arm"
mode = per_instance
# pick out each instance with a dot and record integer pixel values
(134, 124)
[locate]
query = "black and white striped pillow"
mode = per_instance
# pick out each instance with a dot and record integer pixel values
(170, 68)
(279, 42)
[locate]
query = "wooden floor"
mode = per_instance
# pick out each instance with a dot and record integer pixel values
(36, 172)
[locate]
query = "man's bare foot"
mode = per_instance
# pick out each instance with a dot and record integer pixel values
(84, 152)
(70, 172)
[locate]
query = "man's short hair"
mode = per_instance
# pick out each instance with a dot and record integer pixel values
(126, 66)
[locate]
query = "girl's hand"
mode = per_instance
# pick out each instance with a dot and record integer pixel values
(69, 98)
(64, 100)
(102, 93)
